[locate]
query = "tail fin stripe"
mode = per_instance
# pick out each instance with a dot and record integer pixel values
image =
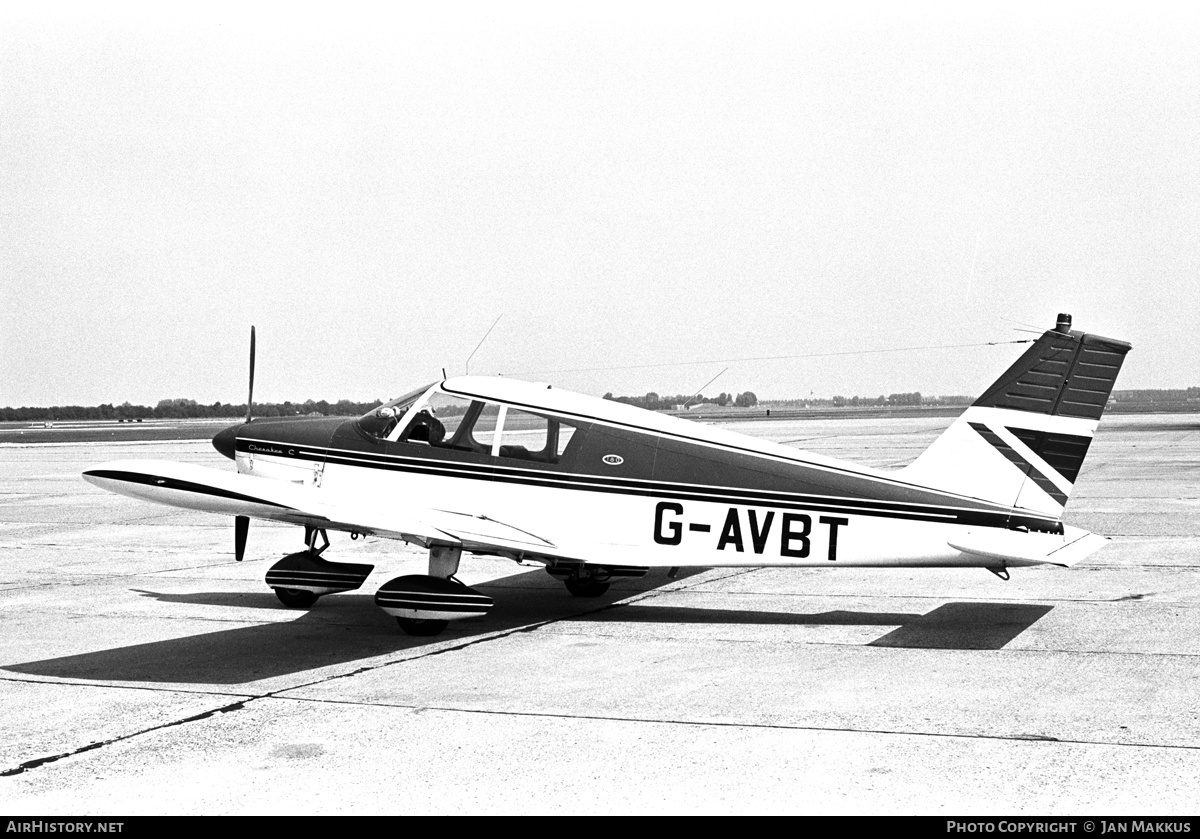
(1064, 452)
(1021, 463)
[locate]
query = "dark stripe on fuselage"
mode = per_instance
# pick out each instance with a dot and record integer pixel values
(493, 471)
(160, 482)
(673, 435)
(723, 464)
(1021, 463)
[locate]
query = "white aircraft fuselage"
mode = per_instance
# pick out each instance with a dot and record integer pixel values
(597, 489)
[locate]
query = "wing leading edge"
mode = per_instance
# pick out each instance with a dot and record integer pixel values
(208, 490)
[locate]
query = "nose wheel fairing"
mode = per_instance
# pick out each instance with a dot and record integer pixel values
(306, 571)
(423, 604)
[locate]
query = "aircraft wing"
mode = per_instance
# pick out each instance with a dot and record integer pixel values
(200, 488)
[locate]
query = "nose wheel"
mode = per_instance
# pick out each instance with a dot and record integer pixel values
(299, 579)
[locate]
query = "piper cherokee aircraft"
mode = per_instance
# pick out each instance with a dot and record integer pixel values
(598, 490)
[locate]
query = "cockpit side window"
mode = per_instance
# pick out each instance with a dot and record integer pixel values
(380, 422)
(438, 420)
(434, 418)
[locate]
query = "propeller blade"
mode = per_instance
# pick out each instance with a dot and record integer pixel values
(250, 397)
(241, 527)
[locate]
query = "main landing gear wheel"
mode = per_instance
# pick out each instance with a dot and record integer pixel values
(296, 598)
(421, 627)
(585, 588)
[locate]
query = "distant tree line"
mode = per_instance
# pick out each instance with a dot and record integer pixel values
(1168, 395)
(653, 402)
(184, 409)
(190, 409)
(894, 399)
(913, 398)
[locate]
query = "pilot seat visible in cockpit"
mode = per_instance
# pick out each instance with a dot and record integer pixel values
(425, 428)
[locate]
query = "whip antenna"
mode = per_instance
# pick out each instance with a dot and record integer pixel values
(481, 340)
(706, 384)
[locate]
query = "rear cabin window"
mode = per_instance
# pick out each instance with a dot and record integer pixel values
(565, 433)
(526, 436)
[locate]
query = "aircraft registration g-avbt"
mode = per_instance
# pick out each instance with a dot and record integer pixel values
(596, 489)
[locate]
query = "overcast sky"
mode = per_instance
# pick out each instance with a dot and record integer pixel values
(373, 185)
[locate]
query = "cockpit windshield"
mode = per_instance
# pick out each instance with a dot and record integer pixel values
(380, 421)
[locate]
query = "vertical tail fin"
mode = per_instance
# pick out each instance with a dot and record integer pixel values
(1023, 441)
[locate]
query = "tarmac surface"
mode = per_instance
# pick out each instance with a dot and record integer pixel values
(143, 671)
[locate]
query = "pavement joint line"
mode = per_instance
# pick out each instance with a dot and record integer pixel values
(492, 636)
(687, 584)
(1018, 738)
(42, 761)
(110, 685)
(241, 704)
(234, 706)
(482, 639)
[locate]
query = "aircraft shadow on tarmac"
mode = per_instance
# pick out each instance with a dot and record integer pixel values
(347, 627)
(952, 626)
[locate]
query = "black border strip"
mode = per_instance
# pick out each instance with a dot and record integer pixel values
(996, 517)
(429, 466)
(163, 482)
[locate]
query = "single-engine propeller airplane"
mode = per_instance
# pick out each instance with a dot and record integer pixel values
(597, 489)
